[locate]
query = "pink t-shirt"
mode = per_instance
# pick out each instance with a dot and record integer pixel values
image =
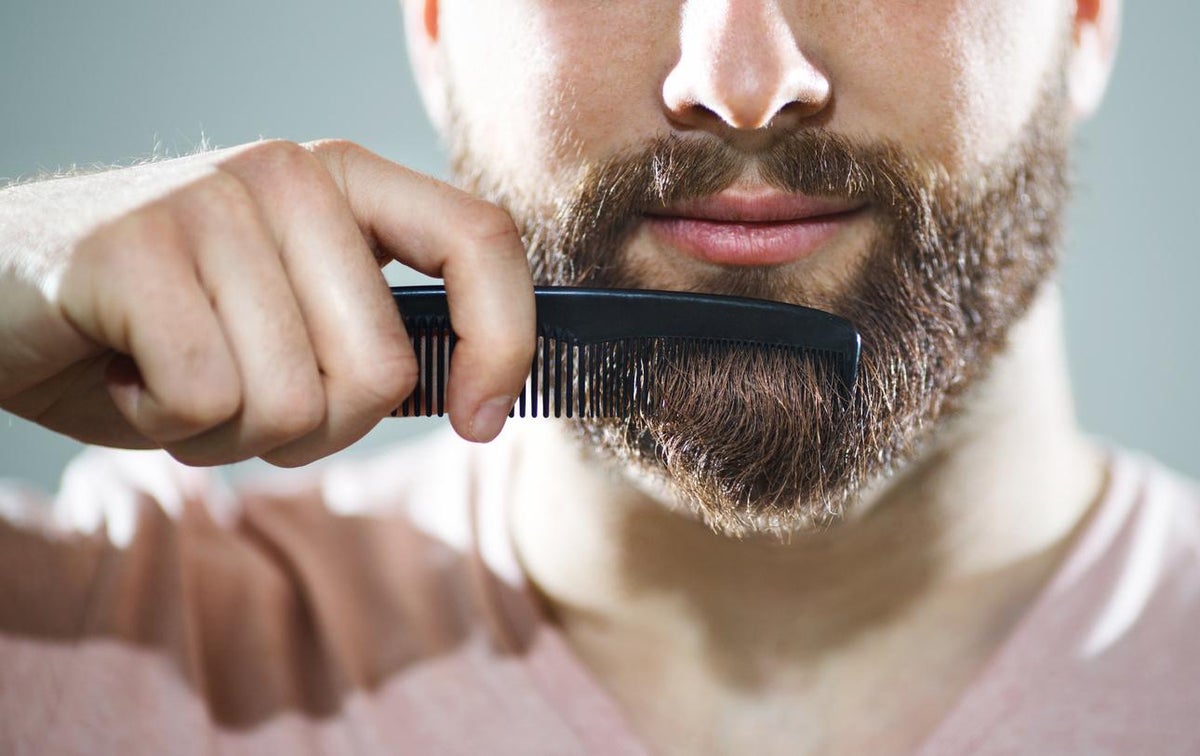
(377, 607)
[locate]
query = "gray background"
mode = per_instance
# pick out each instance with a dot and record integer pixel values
(85, 82)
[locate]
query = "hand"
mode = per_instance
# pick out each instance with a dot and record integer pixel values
(230, 305)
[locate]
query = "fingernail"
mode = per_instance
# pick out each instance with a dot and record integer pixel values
(489, 418)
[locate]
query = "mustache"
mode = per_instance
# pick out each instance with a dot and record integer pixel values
(612, 195)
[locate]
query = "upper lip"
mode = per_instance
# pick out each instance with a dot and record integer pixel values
(737, 205)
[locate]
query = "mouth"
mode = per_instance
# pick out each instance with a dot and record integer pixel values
(753, 228)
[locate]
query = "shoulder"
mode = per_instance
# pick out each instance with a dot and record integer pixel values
(1107, 659)
(1158, 514)
(1133, 574)
(298, 587)
(1111, 652)
(117, 510)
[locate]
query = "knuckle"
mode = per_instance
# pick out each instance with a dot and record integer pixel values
(337, 149)
(336, 156)
(219, 195)
(293, 414)
(203, 407)
(383, 382)
(120, 243)
(279, 160)
(490, 230)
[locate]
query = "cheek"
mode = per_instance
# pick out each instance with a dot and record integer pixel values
(544, 85)
(954, 79)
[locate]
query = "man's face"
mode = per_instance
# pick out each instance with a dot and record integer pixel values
(935, 131)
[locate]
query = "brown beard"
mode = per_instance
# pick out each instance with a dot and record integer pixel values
(760, 442)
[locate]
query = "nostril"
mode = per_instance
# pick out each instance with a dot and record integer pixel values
(694, 115)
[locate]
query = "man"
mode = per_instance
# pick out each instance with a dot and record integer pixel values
(942, 564)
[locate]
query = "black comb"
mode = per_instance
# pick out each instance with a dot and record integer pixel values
(598, 348)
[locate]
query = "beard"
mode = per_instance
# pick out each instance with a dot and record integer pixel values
(756, 441)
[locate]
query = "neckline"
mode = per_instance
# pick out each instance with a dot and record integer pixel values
(491, 510)
(1089, 540)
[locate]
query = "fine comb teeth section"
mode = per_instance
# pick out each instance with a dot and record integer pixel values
(599, 351)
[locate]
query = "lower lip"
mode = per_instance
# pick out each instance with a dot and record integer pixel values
(733, 243)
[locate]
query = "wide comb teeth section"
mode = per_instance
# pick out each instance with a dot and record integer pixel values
(581, 380)
(567, 379)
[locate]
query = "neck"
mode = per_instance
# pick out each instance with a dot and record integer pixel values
(964, 535)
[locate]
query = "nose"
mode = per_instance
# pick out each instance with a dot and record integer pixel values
(740, 66)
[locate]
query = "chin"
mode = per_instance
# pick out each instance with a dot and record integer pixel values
(777, 520)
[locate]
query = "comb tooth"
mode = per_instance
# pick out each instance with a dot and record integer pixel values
(613, 381)
(655, 364)
(570, 374)
(544, 366)
(548, 377)
(648, 362)
(640, 376)
(549, 368)
(568, 368)
(591, 380)
(597, 368)
(427, 364)
(416, 392)
(585, 386)
(601, 360)
(622, 400)
(625, 383)
(585, 377)
(441, 372)
(653, 378)
(609, 387)
(643, 376)
(635, 387)
(581, 381)
(546, 343)
(415, 397)
(543, 377)
(410, 404)
(533, 381)
(547, 386)
(558, 377)
(585, 351)
(639, 371)
(538, 387)
(640, 399)
(536, 379)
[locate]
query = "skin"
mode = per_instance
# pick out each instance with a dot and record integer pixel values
(229, 305)
(858, 639)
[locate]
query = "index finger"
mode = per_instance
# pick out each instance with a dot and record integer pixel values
(475, 247)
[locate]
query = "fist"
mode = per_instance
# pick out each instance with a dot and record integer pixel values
(231, 305)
